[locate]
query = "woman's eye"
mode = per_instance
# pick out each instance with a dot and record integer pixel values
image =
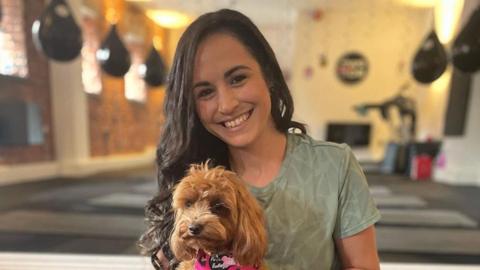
(237, 79)
(204, 93)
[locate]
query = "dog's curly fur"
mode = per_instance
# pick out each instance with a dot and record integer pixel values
(229, 217)
(217, 200)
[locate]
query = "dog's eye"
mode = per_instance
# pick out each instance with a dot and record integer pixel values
(218, 207)
(188, 204)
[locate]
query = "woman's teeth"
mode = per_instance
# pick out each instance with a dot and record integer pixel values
(237, 121)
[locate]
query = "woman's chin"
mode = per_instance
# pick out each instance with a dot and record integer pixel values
(239, 141)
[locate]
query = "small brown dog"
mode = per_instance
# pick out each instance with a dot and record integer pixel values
(218, 223)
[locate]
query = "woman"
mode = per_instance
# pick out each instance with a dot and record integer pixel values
(228, 101)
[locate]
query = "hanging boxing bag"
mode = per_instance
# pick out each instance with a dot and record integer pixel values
(466, 47)
(155, 69)
(56, 34)
(112, 55)
(430, 61)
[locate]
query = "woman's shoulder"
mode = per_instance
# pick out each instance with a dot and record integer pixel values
(316, 155)
(305, 143)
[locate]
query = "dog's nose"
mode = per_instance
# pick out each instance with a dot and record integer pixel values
(195, 228)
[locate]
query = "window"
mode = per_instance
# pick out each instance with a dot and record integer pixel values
(91, 71)
(135, 88)
(12, 40)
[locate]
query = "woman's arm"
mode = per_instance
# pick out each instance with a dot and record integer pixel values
(359, 251)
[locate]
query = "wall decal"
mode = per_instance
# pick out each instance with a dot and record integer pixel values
(352, 68)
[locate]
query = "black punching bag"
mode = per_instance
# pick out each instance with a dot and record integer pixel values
(466, 48)
(112, 55)
(430, 61)
(56, 34)
(155, 69)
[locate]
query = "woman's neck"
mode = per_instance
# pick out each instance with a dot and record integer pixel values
(259, 163)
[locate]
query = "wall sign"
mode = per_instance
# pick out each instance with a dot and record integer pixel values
(352, 68)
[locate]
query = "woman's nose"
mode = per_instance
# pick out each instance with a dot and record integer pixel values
(227, 101)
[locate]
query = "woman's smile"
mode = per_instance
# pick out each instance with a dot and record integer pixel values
(237, 121)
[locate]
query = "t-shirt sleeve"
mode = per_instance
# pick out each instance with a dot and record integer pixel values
(356, 207)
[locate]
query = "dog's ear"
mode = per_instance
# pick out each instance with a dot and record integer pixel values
(250, 241)
(181, 251)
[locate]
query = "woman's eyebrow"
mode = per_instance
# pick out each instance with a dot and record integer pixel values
(202, 83)
(232, 70)
(226, 75)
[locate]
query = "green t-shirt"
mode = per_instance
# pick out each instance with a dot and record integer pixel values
(320, 194)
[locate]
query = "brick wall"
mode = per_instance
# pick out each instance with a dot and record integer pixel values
(117, 125)
(35, 87)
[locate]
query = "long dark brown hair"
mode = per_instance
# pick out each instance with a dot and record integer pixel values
(184, 140)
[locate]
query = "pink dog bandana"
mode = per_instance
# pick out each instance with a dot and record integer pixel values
(218, 262)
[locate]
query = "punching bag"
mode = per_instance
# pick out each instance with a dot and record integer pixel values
(155, 69)
(430, 61)
(56, 34)
(112, 55)
(466, 47)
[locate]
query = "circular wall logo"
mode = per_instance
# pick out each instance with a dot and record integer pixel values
(352, 68)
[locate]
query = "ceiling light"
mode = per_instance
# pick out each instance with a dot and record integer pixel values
(169, 18)
(419, 3)
(447, 15)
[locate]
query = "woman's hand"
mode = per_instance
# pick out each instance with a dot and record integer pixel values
(359, 251)
(160, 261)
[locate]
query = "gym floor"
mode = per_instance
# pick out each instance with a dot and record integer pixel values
(422, 222)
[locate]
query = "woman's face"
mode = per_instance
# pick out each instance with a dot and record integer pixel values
(231, 96)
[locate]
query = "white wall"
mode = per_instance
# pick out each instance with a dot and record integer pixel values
(388, 35)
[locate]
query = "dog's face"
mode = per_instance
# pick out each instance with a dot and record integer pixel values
(214, 212)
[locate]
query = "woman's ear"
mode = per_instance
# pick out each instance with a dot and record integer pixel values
(250, 241)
